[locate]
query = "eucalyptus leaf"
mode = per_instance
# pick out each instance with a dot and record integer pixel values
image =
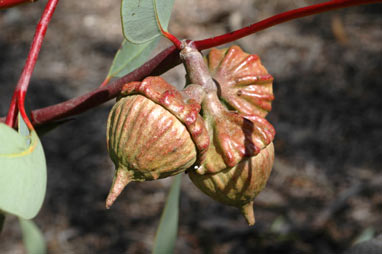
(366, 235)
(168, 226)
(32, 237)
(23, 129)
(130, 56)
(11, 141)
(163, 12)
(23, 171)
(140, 19)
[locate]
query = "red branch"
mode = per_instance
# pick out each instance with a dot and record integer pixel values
(4, 4)
(162, 62)
(22, 85)
(278, 19)
(169, 58)
(172, 38)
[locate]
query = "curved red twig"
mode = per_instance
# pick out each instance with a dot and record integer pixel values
(169, 58)
(4, 4)
(22, 85)
(278, 19)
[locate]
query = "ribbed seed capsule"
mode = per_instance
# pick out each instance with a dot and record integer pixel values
(147, 142)
(238, 95)
(239, 185)
(153, 132)
(148, 139)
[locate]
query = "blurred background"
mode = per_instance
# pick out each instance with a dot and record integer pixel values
(324, 193)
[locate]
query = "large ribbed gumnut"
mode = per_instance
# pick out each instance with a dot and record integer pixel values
(239, 159)
(240, 156)
(234, 136)
(245, 84)
(153, 131)
(238, 95)
(239, 185)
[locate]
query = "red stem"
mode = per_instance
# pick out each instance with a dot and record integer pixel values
(22, 85)
(165, 60)
(4, 4)
(173, 39)
(278, 19)
(168, 35)
(169, 58)
(12, 112)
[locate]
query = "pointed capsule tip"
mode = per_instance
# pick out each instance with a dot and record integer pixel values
(121, 179)
(248, 213)
(109, 201)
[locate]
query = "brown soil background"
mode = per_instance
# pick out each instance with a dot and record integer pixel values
(325, 188)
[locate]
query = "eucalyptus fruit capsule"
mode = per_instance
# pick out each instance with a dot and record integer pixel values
(238, 95)
(153, 131)
(215, 128)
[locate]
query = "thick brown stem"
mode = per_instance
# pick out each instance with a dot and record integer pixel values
(197, 70)
(165, 60)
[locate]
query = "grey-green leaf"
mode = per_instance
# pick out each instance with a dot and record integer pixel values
(130, 56)
(32, 237)
(23, 128)
(11, 141)
(140, 19)
(365, 235)
(23, 172)
(163, 11)
(168, 226)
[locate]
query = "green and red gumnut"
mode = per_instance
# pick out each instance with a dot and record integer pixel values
(214, 128)
(153, 131)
